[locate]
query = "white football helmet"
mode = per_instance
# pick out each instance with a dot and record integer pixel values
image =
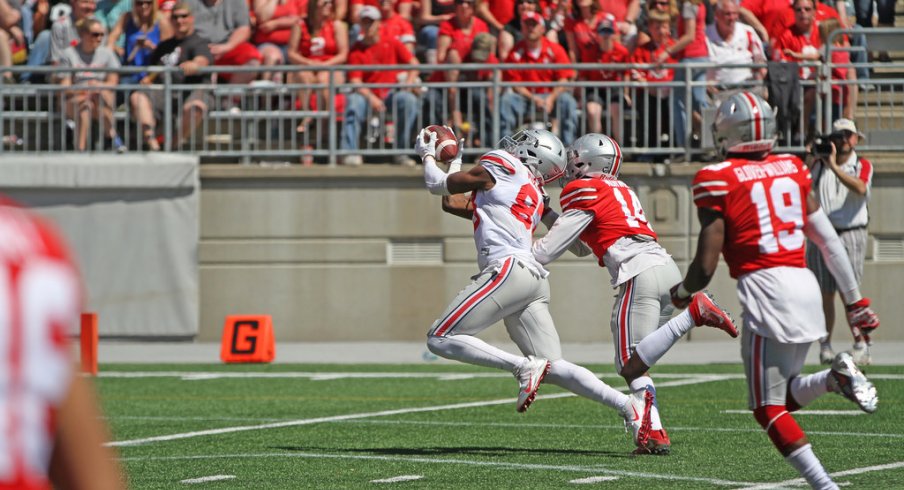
(744, 124)
(593, 155)
(538, 149)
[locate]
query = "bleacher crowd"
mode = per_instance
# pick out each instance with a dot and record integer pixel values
(314, 34)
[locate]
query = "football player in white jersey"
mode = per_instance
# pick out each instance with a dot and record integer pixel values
(505, 205)
(50, 424)
(604, 214)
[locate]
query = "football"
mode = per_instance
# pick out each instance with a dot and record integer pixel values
(446, 143)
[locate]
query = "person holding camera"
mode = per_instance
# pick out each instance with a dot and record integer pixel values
(841, 183)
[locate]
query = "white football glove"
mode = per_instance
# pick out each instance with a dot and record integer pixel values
(455, 163)
(862, 319)
(428, 147)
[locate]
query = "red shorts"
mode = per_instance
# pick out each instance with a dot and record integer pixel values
(240, 55)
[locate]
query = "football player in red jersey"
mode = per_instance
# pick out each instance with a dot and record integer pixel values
(505, 206)
(603, 215)
(756, 208)
(51, 425)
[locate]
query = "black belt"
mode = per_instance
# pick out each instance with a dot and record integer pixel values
(842, 230)
(642, 238)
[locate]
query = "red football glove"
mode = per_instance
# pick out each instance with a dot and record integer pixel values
(677, 300)
(862, 319)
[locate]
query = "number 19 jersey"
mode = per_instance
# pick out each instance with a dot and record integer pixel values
(764, 204)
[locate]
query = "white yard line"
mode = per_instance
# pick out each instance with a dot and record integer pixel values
(399, 478)
(835, 475)
(353, 416)
(446, 462)
(205, 479)
(593, 479)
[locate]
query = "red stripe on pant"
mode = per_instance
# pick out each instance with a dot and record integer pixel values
(475, 297)
(624, 311)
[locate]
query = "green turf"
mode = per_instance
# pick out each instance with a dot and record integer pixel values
(558, 440)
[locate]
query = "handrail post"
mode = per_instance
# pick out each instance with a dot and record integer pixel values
(168, 110)
(332, 159)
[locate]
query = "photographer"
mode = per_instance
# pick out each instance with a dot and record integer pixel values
(841, 184)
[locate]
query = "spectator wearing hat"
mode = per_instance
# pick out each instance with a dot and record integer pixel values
(653, 101)
(227, 25)
(606, 49)
(511, 32)
(470, 108)
(372, 49)
(188, 51)
(536, 49)
(842, 182)
(733, 43)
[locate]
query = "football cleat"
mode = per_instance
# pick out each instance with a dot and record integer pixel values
(637, 417)
(826, 354)
(848, 380)
(658, 443)
(860, 354)
(705, 311)
(530, 374)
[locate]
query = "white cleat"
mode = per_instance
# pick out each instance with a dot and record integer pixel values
(530, 374)
(826, 354)
(637, 417)
(860, 354)
(848, 380)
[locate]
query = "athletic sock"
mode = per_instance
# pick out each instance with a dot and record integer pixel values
(469, 349)
(657, 343)
(805, 389)
(807, 464)
(581, 381)
(646, 382)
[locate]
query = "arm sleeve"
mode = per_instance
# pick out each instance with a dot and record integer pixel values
(435, 178)
(819, 231)
(564, 233)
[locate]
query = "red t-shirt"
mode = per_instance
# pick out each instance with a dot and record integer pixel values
(797, 42)
(618, 54)
(502, 10)
(584, 32)
(321, 47)
(764, 204)
(461, 40)
(281, 36)
(775, 15)
(697, 48)
(645, 54)
(397, 27)
(549, 53)
(618, 8)
(616, 212)
(383, 52)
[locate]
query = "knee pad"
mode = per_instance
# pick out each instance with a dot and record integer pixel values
(780, 426)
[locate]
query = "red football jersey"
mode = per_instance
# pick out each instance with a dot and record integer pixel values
(616, 212)
(764, 204)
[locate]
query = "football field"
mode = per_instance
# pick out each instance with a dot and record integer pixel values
(455, 426)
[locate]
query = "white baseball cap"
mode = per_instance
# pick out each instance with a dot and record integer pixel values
(370, 12)
(845, 124)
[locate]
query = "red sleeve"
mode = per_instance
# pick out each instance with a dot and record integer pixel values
(356, 57)
(561, 56)
(402, 53)
(578, 194)
(866, 171)
(512, 75)
(710, 187)
(754, 6)
(446, 29)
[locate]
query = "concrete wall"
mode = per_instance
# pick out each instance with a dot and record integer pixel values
(329, 253)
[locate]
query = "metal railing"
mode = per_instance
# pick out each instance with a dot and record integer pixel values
(304, 123)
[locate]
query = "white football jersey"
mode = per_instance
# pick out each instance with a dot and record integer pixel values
(506, 216)
(39, 302)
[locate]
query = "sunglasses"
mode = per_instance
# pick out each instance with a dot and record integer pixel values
(97, 35)
(180, 16)
(803, 9)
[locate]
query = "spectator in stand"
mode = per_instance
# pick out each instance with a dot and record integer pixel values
(801, 44)
(885, 10)
(580, 30)
(110, 11)
(54, 432)
(536, 49)
(470, 107)
(496, 14)
(511, 33)
(607, 49)
(374, 50)
(690, 48)
(431, 15)
(626, 14)
(64, 33)
(844, 96)
(396, 25)
(90, 94)
(770, 18)
(669, 7)
(227, 25)
(12, 38)
(274, 22)
(318, 40)
(731, 42)
(458, 32)
(653, 102)
(190, 52)
(143, 28)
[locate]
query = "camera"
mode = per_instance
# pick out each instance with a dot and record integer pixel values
(822, 146)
